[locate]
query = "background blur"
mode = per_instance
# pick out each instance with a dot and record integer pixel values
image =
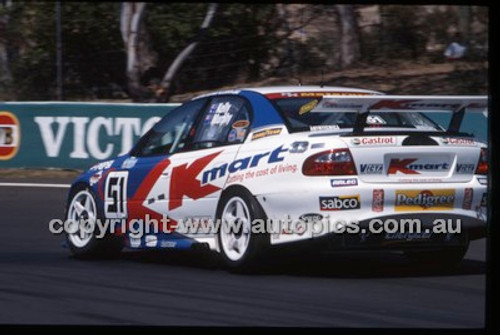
(165, 52)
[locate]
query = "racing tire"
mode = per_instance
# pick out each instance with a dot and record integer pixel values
(444, 259)
(86, 245)
(240, 249)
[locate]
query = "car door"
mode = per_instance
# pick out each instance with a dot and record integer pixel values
(143, 171)
(197, 173)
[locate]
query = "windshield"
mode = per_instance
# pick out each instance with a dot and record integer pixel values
(302, 115)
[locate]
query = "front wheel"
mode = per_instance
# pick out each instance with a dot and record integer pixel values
(239, 245)
(82, 240)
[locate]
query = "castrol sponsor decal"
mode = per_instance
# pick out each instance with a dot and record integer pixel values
(459, 141)
(375, 141)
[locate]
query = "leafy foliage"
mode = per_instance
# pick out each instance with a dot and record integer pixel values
(245, 43)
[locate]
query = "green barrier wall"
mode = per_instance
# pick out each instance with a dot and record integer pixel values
(71, 135)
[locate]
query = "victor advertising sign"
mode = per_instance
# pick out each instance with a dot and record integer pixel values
(71, 135)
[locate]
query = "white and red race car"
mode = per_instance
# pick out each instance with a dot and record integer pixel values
(330, 167)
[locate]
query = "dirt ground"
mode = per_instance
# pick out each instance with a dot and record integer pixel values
(17, 174)
(419, 78)
(396, 77)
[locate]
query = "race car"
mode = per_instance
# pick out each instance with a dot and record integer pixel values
(331, 168)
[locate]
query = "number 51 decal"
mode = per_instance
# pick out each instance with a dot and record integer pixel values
(115, 197)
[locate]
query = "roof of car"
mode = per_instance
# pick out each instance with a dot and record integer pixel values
(267, 90)
(309, 88)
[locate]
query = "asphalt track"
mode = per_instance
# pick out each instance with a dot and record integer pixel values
(41, 284)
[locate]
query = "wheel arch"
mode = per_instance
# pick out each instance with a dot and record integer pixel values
(75, 187)
(238, 189)
(108, 246)
(259, 243)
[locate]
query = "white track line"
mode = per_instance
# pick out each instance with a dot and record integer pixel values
(35, 185)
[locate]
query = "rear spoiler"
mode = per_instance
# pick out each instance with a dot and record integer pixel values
(363, 105)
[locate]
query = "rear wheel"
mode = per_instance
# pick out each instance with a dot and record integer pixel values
(446, 259)
(239, 246)
(82, 240)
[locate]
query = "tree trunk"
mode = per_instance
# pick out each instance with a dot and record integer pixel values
(287, 52)
(5, 74)
(140, 56)
(349, 42)
(464, 23)
(165, 91)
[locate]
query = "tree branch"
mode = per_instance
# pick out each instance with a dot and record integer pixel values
(164, 93)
